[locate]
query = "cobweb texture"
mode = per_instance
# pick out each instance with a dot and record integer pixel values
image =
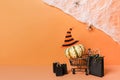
(102, 14)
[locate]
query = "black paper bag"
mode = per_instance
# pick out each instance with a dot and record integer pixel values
(64, 67)
(96, 66)
(59, 70)
(54, 67)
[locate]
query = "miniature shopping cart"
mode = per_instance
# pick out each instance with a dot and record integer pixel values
(80, 64)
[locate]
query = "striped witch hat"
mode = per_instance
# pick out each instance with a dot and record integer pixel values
(69, 40)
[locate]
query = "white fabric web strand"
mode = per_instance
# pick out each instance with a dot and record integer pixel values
(103, 14)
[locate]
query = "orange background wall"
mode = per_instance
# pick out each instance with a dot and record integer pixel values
(31, 33)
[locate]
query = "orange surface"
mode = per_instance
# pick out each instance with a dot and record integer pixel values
(46, 73)
(31, 33)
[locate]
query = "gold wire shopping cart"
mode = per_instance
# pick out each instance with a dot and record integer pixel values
(80, 64)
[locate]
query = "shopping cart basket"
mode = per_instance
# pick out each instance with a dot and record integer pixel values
(80, 64)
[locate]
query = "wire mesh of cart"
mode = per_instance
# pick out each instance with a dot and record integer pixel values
(80, 64)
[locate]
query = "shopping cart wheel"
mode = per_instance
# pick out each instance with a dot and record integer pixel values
(73, 71)
(86, 71)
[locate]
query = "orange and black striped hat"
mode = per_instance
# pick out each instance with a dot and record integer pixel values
(69, 40)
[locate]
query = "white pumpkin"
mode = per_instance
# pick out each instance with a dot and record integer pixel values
(75, 51)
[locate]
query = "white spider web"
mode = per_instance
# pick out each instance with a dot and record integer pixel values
(102, 14)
